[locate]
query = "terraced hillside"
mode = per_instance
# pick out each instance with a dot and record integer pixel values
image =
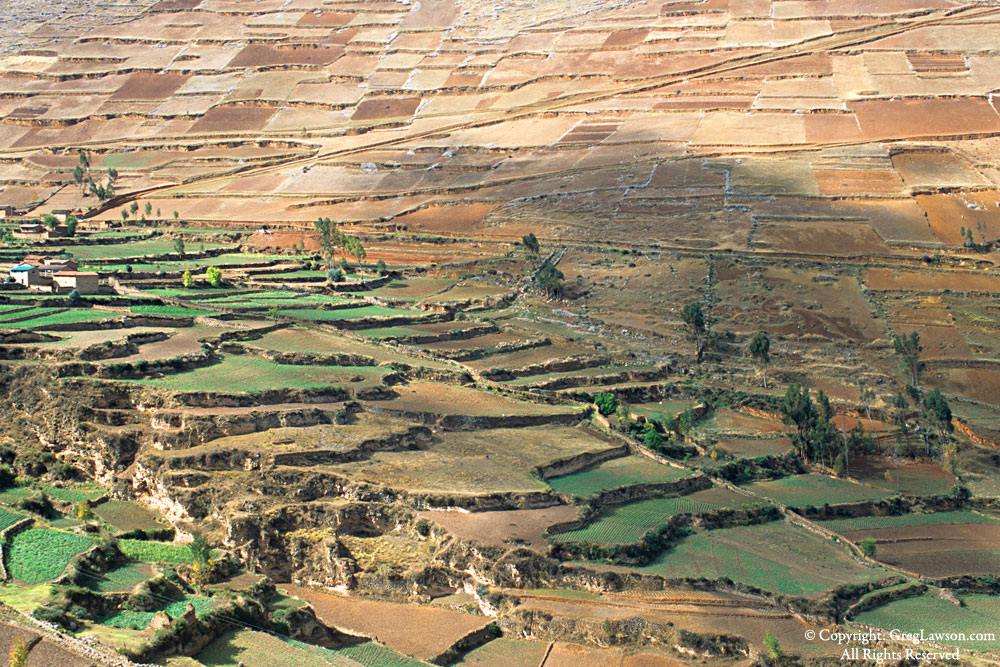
(497, 333)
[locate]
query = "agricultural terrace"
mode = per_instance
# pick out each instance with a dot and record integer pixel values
(140, 620)
(930, 614)
(935, 545)
(322, 315)
(909, 477)
(503, 651)
(144, 248)
(777, 557)
(265, 650)
(76, 493)
(626, 524)
(39, 554)
(50, 316)
(121, 579)
(248, 373)
(441, 399)
(126, 516)
(156, 552)
(614, 473)
(473, 462)
(418, 631)
(8, 518)
(815, 490)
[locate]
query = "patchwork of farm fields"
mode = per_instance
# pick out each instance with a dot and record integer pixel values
(694, 207)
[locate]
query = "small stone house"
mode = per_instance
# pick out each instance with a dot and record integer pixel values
(84, 282)
(31, 230)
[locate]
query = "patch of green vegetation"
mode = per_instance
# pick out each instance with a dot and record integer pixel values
(775, 556)
(248, 373)
(144, 248)
(929, 614)
(121, 579)
(65, 317)
(139, 620)
(626, 524)
(8, 518)
(345, 313)
(31, 312)
(614, 473)
(156, 552)
(810, 489)
(170, 311)
(39, 554)
(126, 516)
(78, 493)
(904, 520)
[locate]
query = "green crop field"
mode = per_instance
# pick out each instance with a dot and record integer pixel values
(155, 552)
(121, 579)
(776, 556)
(15, 494)
(346, 313)
(148, 247)
(370, 654)
(386, 332)
(4, 307)
(264, 650)
(8, 518)
(170, 311)
(75, 494)
(930, 614)
(617, 472)
(628, 523)
(505, 651)
(247, 373)
(193, 292)
(903, 520)
(125, 516)
(31, 312)
(249, 296)
(65, 317)
(39, 554)
(816, 490)
(139, 620)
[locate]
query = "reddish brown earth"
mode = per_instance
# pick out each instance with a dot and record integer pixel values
(423, 632)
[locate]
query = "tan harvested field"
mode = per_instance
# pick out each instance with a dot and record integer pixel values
(503, 528)
(309, 341)
(477, 462)
(423, 632)
(424, 397)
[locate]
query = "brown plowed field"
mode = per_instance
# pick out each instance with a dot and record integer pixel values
(423, 632)
(233, 119)
(146, 86)
(942, 550)
(380, 108)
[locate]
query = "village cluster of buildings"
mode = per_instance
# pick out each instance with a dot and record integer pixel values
(54, 274)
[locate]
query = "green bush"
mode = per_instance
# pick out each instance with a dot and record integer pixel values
(606, 403)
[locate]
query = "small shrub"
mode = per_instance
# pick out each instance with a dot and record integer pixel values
(606, 403)
(868, 547)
